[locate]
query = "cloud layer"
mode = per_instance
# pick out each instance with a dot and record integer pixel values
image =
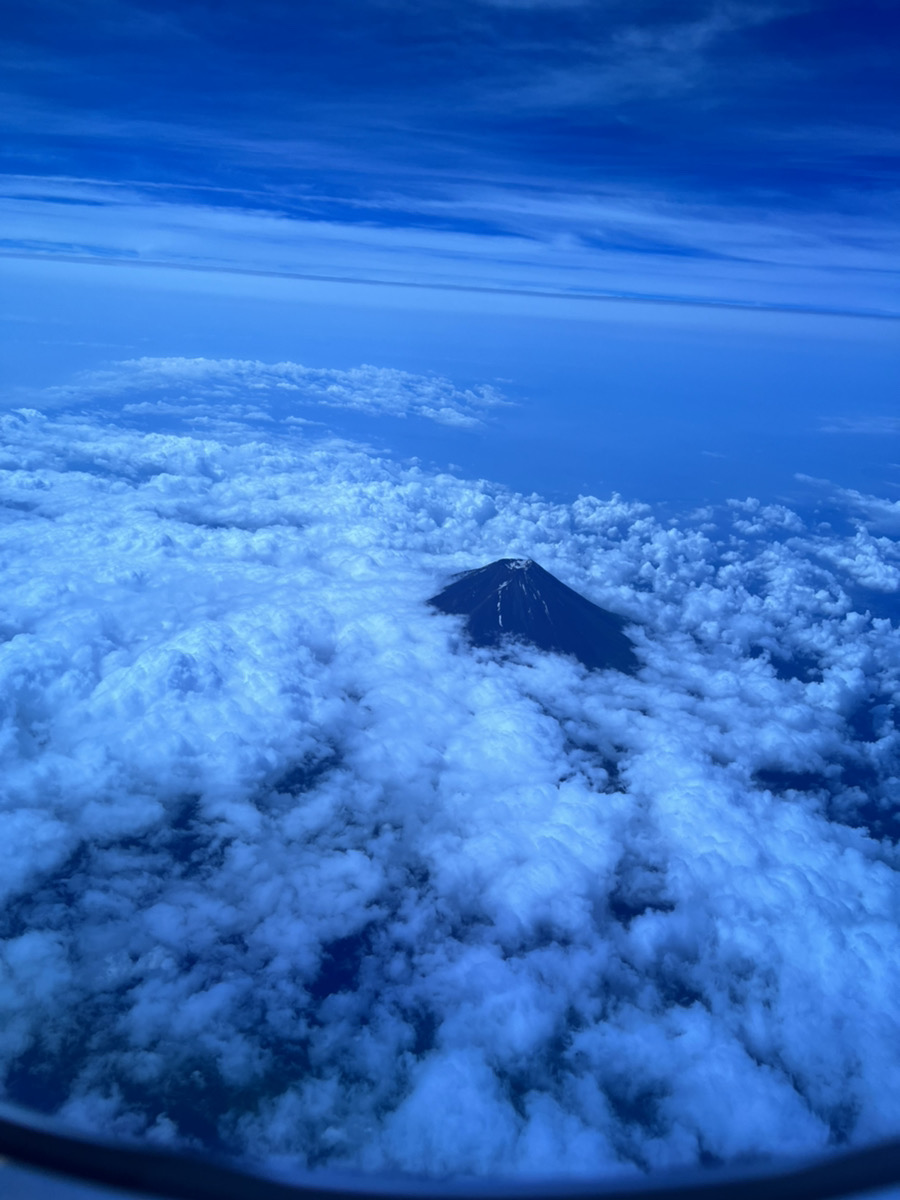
(290, 869)
(182, 382)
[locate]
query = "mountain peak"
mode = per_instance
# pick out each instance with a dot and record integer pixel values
(515, 598)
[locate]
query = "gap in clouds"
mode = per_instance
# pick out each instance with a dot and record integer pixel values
(293, 871)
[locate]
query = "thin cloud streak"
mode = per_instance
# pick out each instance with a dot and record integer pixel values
(614, 245)
(635, 62)
(611, 297)
(866, 426)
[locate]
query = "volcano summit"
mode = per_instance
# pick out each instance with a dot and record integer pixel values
(517, 599)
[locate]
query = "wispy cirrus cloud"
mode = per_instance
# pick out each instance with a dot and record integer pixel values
(875, 426)
(438, 156)
(636, 59)
(607, 243)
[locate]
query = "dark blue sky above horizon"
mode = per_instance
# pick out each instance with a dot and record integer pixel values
(393, 113)
(739, 98)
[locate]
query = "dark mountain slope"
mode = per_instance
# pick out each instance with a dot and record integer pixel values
(516, 598)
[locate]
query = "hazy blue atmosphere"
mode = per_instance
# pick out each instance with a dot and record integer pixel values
(305, 310)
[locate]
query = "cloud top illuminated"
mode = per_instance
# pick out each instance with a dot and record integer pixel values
(289, 872)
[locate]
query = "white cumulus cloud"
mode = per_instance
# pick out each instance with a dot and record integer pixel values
(238, 387)
(292, 870)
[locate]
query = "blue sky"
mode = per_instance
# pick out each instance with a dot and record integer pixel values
(665, 168)
(738, 152)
